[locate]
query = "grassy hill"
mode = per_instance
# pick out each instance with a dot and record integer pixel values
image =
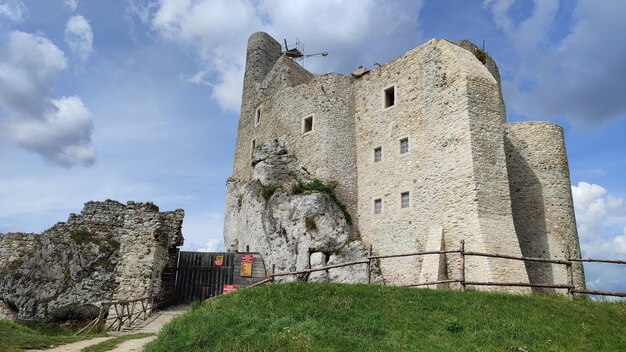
(333, 317)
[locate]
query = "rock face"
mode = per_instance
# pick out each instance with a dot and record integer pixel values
(292, 220)
(108, 251)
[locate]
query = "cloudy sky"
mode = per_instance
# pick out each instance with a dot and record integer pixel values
(138, 100)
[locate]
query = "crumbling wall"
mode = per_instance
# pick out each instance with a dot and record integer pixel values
(67, 270)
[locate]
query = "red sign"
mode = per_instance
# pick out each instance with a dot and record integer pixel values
(230, 288)
(247, 258)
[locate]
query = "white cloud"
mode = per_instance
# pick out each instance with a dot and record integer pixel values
(594, 206)
(601, 220)
(577, 77)
(79, 38)
(528, 34)
(14, 10)
(58, 129)
(212, 245)
(71, 4)
(217, 32)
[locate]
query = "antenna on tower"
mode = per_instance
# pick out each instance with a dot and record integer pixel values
(297, 53)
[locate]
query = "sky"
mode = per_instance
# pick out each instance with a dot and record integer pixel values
(139, 100)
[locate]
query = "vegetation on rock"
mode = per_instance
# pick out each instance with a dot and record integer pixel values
(316, 185)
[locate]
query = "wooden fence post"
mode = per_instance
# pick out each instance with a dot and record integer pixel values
(570, 275)
(369, 266)
(462, 265)
(273, 272)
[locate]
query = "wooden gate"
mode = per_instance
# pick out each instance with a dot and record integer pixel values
(198, 277)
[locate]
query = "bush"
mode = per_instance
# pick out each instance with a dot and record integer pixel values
(309, 222)
(453, 325)
(268, 191)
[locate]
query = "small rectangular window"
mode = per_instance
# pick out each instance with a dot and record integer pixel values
(404, 145)
(404, 200)
(252, 149)
(307, 124)
(378, 154)
(390, 96)
(257, 116)
(378, 206)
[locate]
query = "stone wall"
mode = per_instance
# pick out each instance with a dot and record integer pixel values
(542, 199)
(447, 105)
(67, 270)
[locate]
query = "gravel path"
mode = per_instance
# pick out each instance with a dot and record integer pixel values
(152, 325)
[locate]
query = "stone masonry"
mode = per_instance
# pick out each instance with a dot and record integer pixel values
(422, 156)
(110, 251)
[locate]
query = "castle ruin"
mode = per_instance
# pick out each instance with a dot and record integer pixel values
(422, 157)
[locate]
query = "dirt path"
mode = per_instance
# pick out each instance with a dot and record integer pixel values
(76, 346)
(152, 325)
(133, 345)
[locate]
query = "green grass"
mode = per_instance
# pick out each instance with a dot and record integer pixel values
(333, 317)
(17, 337)
(112, 343)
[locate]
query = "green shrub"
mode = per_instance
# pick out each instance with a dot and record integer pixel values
(268, 191)
(80, 236)
(309, 222)
(453, 325)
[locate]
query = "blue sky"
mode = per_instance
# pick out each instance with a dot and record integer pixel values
(138, 100)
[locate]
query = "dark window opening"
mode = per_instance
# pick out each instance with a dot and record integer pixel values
(252, 149)
(257, 116)
(307, 124)
(390, 97)
(378, 154)
(378, 206)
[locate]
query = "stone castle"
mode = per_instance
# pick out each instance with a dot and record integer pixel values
(422, 158)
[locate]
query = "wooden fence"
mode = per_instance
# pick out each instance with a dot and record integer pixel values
(126, 313)
(569, 286)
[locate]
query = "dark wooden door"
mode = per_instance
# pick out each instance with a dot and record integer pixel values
(198, 278)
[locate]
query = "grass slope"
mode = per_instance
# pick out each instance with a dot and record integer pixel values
(333, 317)
(17, 337)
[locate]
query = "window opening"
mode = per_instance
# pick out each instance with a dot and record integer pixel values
(253, 146)
(378, 206)
(307, 124)
(390, 96)
(404, 145)
(257, 116)
(378, 154)
(404, 200)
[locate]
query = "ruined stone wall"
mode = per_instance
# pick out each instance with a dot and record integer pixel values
(542, 199)
(68, 269)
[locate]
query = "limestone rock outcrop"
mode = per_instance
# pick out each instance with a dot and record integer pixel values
(108, 251)
(293, 220)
